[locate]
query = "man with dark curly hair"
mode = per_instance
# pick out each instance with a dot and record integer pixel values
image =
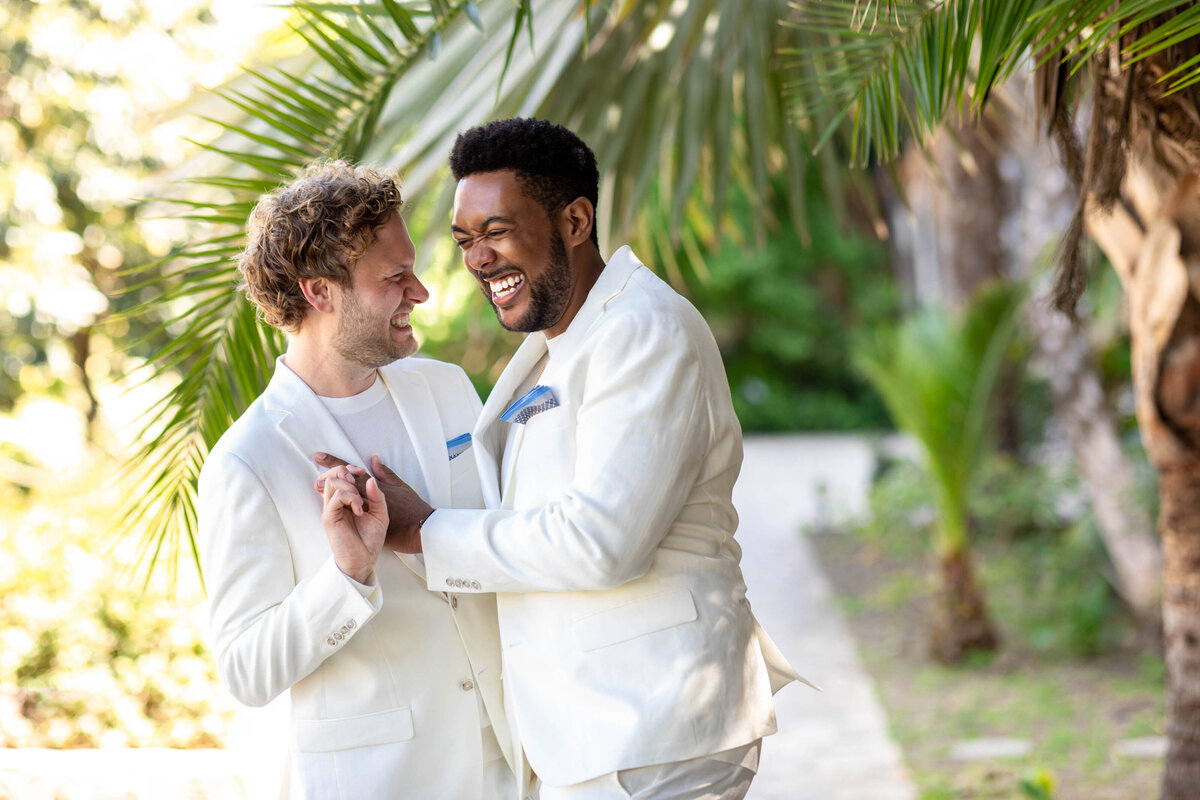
(394, 690)
(608, 451)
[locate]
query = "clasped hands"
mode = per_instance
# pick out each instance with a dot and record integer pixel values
(364, 513)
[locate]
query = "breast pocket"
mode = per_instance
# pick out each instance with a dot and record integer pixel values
(465, 490)
(546, 459)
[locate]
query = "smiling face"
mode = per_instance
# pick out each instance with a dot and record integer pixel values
(513, 248)
(373, 313)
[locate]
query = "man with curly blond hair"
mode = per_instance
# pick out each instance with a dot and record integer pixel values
(394, 690)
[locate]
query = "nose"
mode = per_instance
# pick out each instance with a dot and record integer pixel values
(478, 255)
(417, 291)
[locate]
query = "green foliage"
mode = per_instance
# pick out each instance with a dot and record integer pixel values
(68, 175)
(900, 68)
(936, 376)
(783, 315)
(88, 660)
(1041, 552)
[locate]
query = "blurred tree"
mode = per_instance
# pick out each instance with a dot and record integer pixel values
(75, 82)
(900, 67)
(937, 377)
(783, 315)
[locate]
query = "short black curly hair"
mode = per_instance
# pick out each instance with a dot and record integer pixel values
(553, 165)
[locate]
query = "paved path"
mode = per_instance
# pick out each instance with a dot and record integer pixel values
(831, 745)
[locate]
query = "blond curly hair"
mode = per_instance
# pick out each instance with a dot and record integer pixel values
(317, 226)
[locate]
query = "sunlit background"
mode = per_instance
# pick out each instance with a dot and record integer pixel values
(830, 293)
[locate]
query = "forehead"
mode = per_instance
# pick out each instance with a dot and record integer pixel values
(485, 195)
(391, 244)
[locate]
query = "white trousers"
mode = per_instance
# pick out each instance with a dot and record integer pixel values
(720, 776)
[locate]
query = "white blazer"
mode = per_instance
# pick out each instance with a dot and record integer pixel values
(382, 697)
(627, 636)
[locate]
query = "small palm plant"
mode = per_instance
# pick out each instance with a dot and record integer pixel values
(936, 375)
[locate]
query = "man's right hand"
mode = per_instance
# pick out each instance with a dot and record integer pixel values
(356, 526)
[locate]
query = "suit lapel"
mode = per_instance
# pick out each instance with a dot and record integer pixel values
(490, 432)
(304, 420)
(311, 428)
(414, 400)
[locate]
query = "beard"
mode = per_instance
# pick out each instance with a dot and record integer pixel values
(549, 294)
(359, 341)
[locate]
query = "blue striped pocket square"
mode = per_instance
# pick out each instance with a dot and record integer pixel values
(458, 445)
(535, 401)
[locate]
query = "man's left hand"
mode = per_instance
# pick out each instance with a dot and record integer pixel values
(406, 509)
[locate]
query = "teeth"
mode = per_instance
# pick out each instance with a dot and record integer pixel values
(400, 321)
(501, 286)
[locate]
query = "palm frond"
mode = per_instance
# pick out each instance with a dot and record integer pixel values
(936, 376)
(898, 69)
(219, 349)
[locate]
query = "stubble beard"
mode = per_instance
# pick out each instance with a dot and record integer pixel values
(357, 339)
(548, 295)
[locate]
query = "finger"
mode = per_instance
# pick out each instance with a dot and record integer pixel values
(373, 492)
(382, 471)
(328, 461)
(348, 497)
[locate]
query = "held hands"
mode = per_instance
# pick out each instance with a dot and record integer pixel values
(356, 523)
(405, 509)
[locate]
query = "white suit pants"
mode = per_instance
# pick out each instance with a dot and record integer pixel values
(720, 776)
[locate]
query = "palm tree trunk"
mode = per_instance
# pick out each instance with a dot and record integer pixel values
(960, 623)
(1154, 245)
(1180, 521)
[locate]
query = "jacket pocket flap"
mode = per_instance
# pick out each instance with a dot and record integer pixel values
(634, 619)
(345, 733)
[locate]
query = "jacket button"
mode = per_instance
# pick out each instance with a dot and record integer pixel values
(467, 686)
(453, 601)
(338, 635)
(449, 581)
(332, 641)
(345, 630)
(351, 624)
(475, 585)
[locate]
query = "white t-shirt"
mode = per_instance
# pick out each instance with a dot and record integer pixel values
(373, 425)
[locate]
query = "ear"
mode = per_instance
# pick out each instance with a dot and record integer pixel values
(577, 219)
(319, 293)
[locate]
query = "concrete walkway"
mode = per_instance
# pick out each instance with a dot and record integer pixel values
(832, 745)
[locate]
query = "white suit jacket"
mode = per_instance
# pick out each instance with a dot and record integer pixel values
(627, 636)
(382, 698)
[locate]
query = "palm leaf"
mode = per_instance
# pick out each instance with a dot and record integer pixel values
(898, 69)
(936, 377)
(221, 353)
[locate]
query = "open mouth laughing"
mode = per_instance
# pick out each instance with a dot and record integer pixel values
(506, 287)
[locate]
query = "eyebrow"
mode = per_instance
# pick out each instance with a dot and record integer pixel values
(494, 218)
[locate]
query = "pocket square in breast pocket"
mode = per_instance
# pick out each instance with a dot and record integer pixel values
(458, 445)
(535, 401)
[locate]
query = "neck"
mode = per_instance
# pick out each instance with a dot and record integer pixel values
(325, 371)
(587, 268)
